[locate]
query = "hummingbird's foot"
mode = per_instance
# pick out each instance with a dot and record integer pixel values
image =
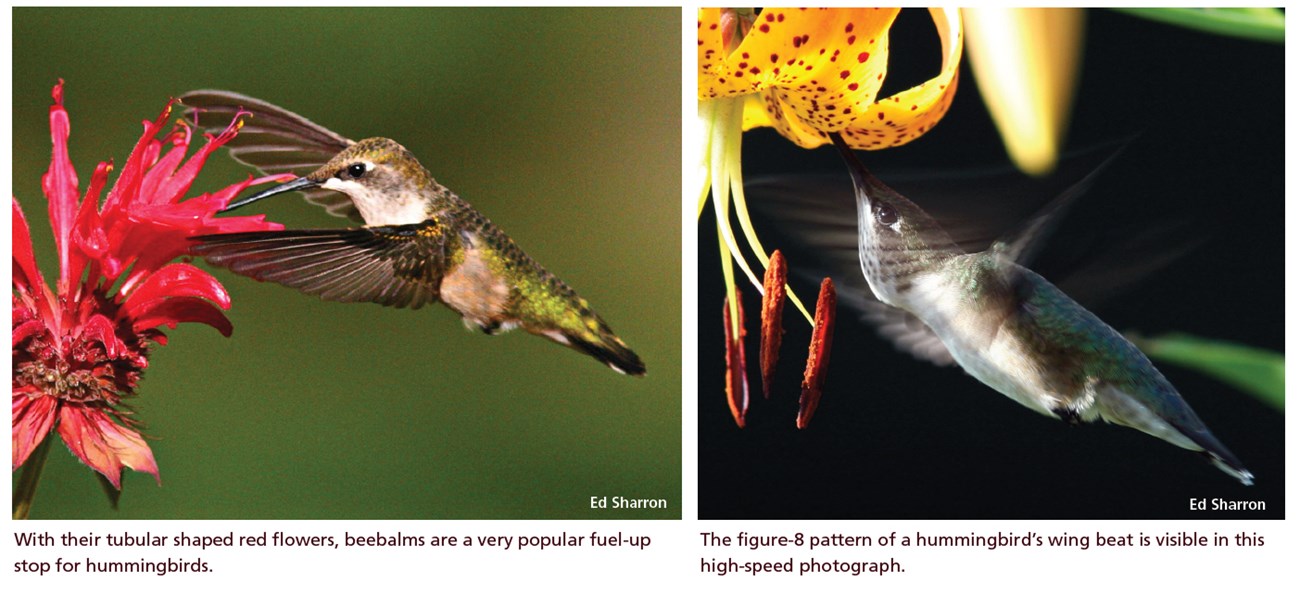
(1069, 416)
(489, 326)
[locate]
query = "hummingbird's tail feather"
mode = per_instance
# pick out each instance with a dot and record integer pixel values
(1218, 454)
(1211, 447)
(1234, 470)
(1172, 420)
(601, 344)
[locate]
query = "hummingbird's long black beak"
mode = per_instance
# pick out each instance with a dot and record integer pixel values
(864, 181)
(301, 183)
(861, 176)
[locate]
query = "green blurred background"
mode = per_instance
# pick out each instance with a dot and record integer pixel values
(562, 126)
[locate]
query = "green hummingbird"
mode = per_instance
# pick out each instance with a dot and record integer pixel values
(419, 242)
(1009, 327)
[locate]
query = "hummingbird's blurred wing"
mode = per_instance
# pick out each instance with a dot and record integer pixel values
(273, 140)
(907, 332)
(400, 266)
(978, 208)
(827, 225)
(1128, 254)
(1023, 244)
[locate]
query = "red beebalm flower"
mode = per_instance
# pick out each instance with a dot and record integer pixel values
(78, 350)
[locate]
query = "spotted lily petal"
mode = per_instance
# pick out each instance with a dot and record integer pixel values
(1026, 64)
(898, 119)
(820, 70)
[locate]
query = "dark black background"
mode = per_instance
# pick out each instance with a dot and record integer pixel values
(898, 438)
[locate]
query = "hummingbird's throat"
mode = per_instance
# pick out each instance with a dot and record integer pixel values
(381, 206)
(883, 285)
(893, 263)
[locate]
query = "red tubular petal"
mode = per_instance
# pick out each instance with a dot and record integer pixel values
(819, 354)
(245, 223)
(128, 183)
(88, 233)
(773, 305)
(180, 182)
(174, 310)
(157, 187)
(97, 182)
(27, 277)
(737, 385)
(162, 247)
(60, 185)
(99, 328)
(177, 279)
(26, 274)
(27, 329)
(211, 203)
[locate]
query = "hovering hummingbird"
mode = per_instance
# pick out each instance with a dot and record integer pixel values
(420, 242)
(1009, 327)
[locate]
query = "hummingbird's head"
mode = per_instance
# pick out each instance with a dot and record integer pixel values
(371, 165)
(896, 239)
(385, 182)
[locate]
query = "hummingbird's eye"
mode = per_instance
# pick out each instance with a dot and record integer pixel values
(885, 214)
(356, 170)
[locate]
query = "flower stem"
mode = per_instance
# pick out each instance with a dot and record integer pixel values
(26, 489)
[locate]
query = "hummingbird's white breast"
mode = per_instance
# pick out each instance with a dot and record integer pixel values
(979, 341)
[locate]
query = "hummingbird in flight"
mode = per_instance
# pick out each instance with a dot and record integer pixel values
(419, 242)
(1007, 326)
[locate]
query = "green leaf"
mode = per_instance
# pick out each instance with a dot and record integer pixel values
(1258, 372)
(1263, 24)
